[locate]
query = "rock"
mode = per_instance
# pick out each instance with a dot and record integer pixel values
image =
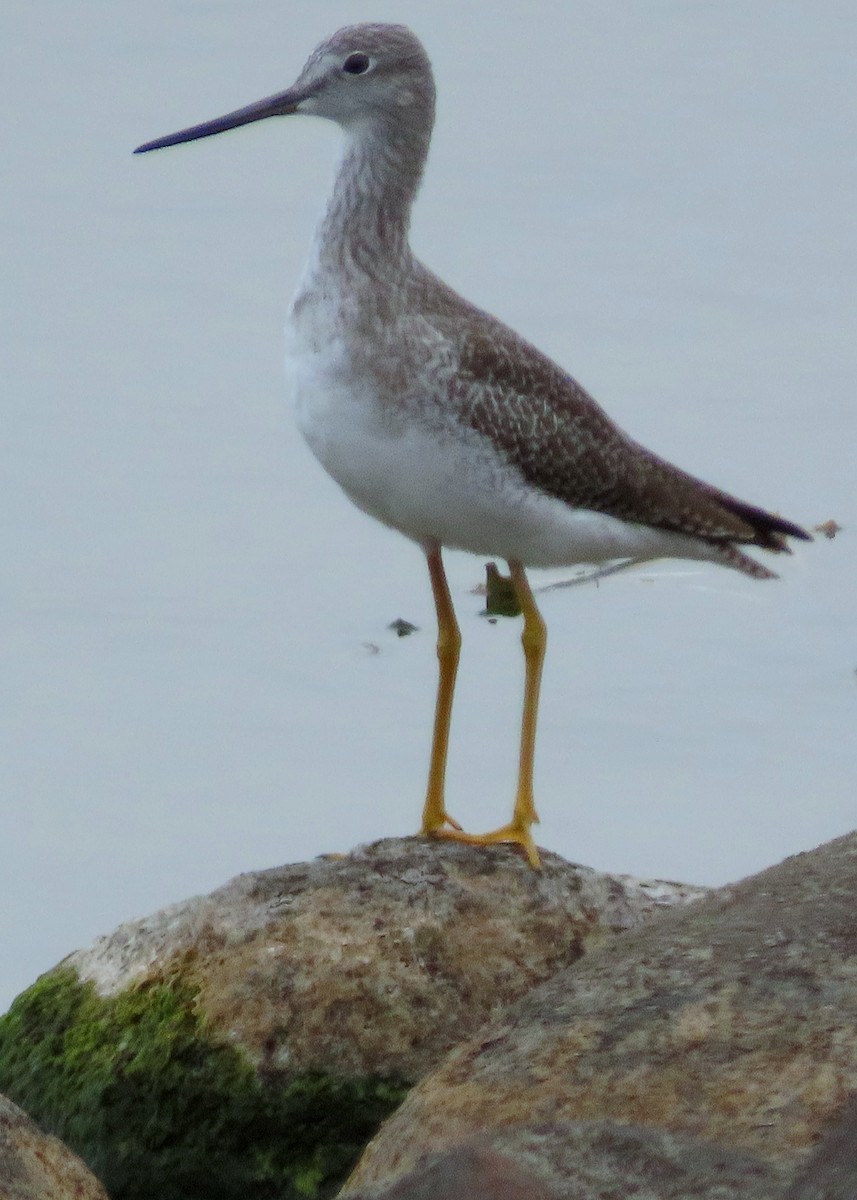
(36, 1166)
(831, 1173)
(386, 936)
(587, 1160)
(260, 1035)
(728, 1027)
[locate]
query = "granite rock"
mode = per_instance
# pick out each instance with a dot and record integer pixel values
(253, 1040)
(367, 963)
(36, 1166)
(730, 1025)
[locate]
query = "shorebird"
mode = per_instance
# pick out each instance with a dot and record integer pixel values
(439, 420)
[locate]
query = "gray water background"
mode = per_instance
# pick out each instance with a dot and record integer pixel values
(196, 673)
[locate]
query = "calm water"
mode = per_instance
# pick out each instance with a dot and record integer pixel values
(197, 677)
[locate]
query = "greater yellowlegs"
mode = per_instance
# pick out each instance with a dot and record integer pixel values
(442, 422)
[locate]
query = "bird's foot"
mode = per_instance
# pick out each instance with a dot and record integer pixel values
(517, 833)
(435, 823)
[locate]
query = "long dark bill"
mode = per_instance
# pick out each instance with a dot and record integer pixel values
(280, 105)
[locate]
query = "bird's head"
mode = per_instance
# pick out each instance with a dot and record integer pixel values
(363, 75)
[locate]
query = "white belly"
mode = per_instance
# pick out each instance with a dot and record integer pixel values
(447, 484)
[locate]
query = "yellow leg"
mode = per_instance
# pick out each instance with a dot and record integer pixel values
(435, 816)
(534, 640)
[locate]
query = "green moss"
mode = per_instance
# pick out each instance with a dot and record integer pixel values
(139, 1088)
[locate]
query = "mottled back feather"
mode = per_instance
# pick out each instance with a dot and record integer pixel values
(549, 427)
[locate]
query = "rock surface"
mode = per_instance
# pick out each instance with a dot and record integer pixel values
(252, 1041)
(728, 1028)
(588, 1160)
(377, 962)
(36, 1166)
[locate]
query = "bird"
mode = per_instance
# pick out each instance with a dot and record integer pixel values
(442, 422)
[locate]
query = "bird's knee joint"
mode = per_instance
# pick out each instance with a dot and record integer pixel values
(449, 645)
(534, 640)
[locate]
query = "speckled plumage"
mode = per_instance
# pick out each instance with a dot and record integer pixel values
(370, 318)
(386, 360)
(442, 422)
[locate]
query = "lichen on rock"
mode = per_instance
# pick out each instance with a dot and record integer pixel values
(250, 1042)
(137, 1086)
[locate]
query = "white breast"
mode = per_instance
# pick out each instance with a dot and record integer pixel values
(444, 483)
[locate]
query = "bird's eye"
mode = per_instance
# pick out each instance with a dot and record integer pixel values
(356, 64)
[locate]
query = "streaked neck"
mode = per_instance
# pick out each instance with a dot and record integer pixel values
(363, 235)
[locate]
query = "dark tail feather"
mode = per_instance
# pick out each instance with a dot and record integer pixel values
(770, 530)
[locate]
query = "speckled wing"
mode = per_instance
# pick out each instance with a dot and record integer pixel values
(563, 443)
